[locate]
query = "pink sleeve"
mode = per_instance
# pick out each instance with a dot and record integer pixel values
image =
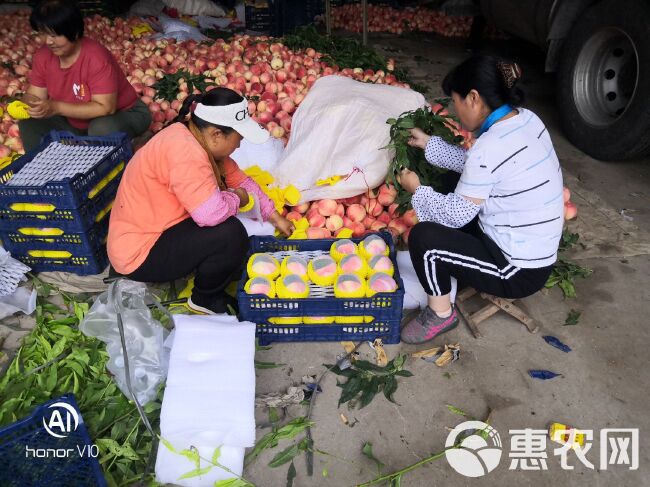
(218, 207)
(266, 204)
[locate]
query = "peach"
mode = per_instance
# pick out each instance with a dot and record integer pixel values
(368, 221)
(374, 208)
(358, 230)
(334, 223)
(567, 194)
(302, 208)
(410, 218)
(340, 210)
(317, 220)
(397, 225)
(387, 195)
(356, 213)
(293, 216)
(570, 211)
(314, 233)
(377, 226)
(327, 207)
(384, 217)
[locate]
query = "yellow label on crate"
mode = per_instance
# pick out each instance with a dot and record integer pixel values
(33, 207)
(49, 232)
(104, 212)
(107, 179)
(50, 254)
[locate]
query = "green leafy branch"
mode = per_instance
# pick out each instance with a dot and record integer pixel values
(271, 440)
(565, 272)
(192, 454)
(412, 158)
(167, 88)
(366, 379)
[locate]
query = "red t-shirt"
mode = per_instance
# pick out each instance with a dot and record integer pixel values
(95, 72)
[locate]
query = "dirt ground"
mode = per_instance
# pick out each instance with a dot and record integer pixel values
(604, 383)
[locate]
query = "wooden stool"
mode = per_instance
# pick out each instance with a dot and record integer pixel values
(496, 304)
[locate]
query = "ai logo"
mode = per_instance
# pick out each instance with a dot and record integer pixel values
(63, 420)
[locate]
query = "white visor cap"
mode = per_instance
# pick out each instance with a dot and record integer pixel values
(235, 116)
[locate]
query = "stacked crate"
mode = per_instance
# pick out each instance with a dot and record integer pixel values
(279, 17)
(56, 218)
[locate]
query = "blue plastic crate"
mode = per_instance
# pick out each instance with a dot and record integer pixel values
(71, 192)
(72, 220)
(385, 308)
(23, 239)
(20, 467)
(76, 263)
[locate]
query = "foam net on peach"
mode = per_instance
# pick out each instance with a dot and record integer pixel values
(59, 161)
(315, 291)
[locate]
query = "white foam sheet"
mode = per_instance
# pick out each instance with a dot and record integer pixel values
(210, 396)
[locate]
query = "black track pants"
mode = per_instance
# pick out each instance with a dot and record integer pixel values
(439, 252)
(216, 254)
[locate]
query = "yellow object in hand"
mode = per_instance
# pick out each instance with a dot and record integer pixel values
(18, 110)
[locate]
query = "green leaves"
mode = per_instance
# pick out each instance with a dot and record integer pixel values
(413, 158)
(564, 271)
(270, 440)
(234, 482)
(56, 358)
(367, 451)
(344, 52)
(289, 453)
(456, 410)
(267, 365)
(572, 318)
(291, 475)
(167, 88)
(366, 379)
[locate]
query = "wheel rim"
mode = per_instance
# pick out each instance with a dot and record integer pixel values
(605, 77)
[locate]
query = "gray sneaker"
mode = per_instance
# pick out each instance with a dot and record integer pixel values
(428, 325)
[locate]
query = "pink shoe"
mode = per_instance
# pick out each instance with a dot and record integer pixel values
(428, 325)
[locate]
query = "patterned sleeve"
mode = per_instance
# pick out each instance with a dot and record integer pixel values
(451, 210)
(267, 207)
(217, 209)
(441, 154)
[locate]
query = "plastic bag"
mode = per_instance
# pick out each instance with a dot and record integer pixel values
(339, 130)
(178, 30)
(196, 7)
(144, 337)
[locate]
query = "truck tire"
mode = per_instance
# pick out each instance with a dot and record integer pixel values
(604, 81)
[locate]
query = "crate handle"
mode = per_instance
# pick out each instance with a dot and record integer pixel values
(47, 232)
(100, 216)
(107, 179)
(50, 254)
(33, 207)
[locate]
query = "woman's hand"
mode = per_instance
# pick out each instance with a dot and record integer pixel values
(282, 224)
(243, 196)
(42, 108)
(409, 180)
(418, 138)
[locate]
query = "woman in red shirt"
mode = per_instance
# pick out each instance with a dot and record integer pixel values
(77, 81)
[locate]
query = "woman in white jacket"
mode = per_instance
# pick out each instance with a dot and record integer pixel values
(499, 231)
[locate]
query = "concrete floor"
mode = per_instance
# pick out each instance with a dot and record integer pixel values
(604, 383)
